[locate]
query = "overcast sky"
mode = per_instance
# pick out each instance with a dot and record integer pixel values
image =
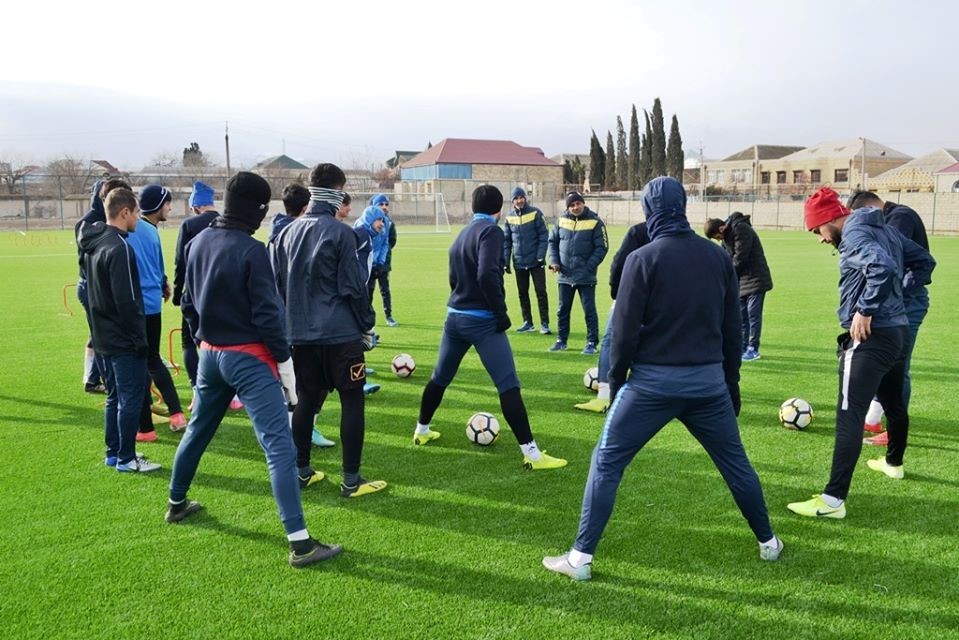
(351, 81)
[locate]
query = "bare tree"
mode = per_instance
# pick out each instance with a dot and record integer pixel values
(194, 157)
(14, 170)
(76, 175)
(166, 159)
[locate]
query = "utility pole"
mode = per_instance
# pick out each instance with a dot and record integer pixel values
(862, 166)
(702, 173)
(226, 140)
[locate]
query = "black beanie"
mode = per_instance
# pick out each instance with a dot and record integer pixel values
(573, 196)
(487, 199)
(247, 199)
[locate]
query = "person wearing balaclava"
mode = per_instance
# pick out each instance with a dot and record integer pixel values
(236, 317)
(676, 333)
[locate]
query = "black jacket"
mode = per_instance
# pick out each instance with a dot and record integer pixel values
(526, 238)
(115, 308)
(636, 237)
(95, 214)
(907, 222)
(189, 229)
(476, 270)
(391, 239)
(578, 245)
(749, 260)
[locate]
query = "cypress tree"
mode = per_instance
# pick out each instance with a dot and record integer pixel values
(597, 160)
(609, 182)
(674, 152)
(622, 168)
(633, 175)
(646, 162)
(659, 140)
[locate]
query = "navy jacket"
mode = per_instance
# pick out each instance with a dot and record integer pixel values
(279, 223)
(391, 241)
(873, 260)
(526, 238)
(909, 224)
(229, 297)
(637, 236)
(115, 303)
(189, 229)
(319, 276)
(96, 214)
(578, 245)
(476, 269)
(748, 256)
(678, 300)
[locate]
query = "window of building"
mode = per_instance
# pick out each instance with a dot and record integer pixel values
(780, 177)
(764, 177)
(815, 176)
(842, 175)
(799, 177)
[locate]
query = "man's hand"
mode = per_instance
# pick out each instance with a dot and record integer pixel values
(369, 340)
(288, 380)
(502, 323)
(166, 292)
(554, 268)
(861, 327)
(734, 397)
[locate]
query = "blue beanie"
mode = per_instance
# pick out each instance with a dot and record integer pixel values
(202, 195)
(152, 198)
(379, 199)
(517, 193)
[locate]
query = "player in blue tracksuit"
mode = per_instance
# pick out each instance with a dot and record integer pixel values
(476, 317)
(237, 319)
(526, 240)
(676, 333)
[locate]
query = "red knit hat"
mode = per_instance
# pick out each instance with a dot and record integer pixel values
(822, 207)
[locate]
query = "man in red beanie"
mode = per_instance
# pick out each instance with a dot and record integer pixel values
(872, 351)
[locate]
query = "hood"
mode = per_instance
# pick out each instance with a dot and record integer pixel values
(664, 202)
(93, 234)
(280, 222)
(739, 216)
(867, 216)
(96, 204)
(370, 215)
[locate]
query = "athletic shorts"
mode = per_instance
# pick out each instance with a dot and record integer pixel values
(324, 367)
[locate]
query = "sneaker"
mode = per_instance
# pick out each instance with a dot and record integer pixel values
(882, 440)
(110, 461)
(560, 564)
(147, 436)
(319, 440)
(178, 512)
(423, 438)
(309, 551)
(559, 345)
(313, 478)
(177, 422)
(390, 322)
(364, 487)
(235, 404)
(526, 328)
(750, 354)
(94, 388)
(880, 464)
(138, 464)
(545, 330)
(596, 405)
(369, 388)
(544, 462)
(589, 349)
(817, 508)
(771, 552)
(873, 428)
(370, 372)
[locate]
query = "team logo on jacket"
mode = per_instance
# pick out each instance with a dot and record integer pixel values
(358, 372)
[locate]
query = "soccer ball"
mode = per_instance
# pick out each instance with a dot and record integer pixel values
(591, 379)
(795, 413)
(403, 365)
(482, 429)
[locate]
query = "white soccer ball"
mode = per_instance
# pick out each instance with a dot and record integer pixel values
(403, 365)
(482, 429)
(591, 379)
(795, 413)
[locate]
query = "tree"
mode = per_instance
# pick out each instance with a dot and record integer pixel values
(622, 168)
(14, 170)
(633, 175)
(646, 162)
(76, 175)
(597, 160)
(194, 157)
(609, 181)
(674, 152)
(574, 173)
(659, 140)
(166, 159)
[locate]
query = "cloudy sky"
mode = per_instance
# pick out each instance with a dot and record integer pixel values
(352, 81)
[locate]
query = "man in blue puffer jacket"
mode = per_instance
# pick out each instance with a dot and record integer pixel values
(526, 241)
(577, 246)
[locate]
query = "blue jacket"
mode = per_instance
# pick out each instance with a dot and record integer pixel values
(320, 279)
(380, 246)
(873, 260)
(278, 224)
(145, 242)
(189, 229)
(390, 229)
(578, 245)
(526, 238)
(229, 297)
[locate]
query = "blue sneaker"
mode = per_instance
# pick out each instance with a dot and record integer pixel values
(319, 440)
(369, 388)
(544, 329)
(750, 354)
(390, 322)
(559, 345)
(370, 372)
(110, 461)
(590, 349)
(526, 328)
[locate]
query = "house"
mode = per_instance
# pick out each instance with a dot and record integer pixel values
(919, 174)
(843, 164)
(743, 169)
(947, 180)
(280, 164)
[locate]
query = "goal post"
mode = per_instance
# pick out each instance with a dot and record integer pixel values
(412, 212)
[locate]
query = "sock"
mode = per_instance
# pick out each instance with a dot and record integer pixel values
(577, 558)
(603, 391)
(874, 415)
(351, 479)
(176, 503)
(87, 367)
(305, 472)
(297, 536)
(422, 429)
(530, 450)
(831, 501)
(772, 542)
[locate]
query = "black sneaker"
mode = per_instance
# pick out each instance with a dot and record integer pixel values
(90, 387)
(178, 512)
(306, 552)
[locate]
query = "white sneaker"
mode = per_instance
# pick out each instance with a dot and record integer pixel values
(560, 564)
(770, 552)
(138, 465)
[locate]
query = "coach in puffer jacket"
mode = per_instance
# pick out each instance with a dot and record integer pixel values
(526, 236)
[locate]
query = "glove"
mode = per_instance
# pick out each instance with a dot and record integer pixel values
(502, 323)
(369, 340)
(734, 396)
(288, 380)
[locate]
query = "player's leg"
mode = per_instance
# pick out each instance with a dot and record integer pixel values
(522, 287)
(892, 396)
(562, 316)
(191, 358)
(453, 346)
(538, 274)
(132, 380)
(600, 404)
(384, 278)
(587, 297)
(311, 391)
(345, 369)
(160, 374)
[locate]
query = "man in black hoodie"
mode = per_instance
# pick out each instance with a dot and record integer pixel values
(115, 314)
(676, 333)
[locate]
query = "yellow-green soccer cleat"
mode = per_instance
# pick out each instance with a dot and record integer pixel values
(423, 438)
(363, 488)
(817, 508)
(313, 478)
(560, 564)
(596, 405)
(544, 462)
(880, 464)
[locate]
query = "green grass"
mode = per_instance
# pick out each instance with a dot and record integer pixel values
(453, 548)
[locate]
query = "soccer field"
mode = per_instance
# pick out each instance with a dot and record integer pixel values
(453, 548)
